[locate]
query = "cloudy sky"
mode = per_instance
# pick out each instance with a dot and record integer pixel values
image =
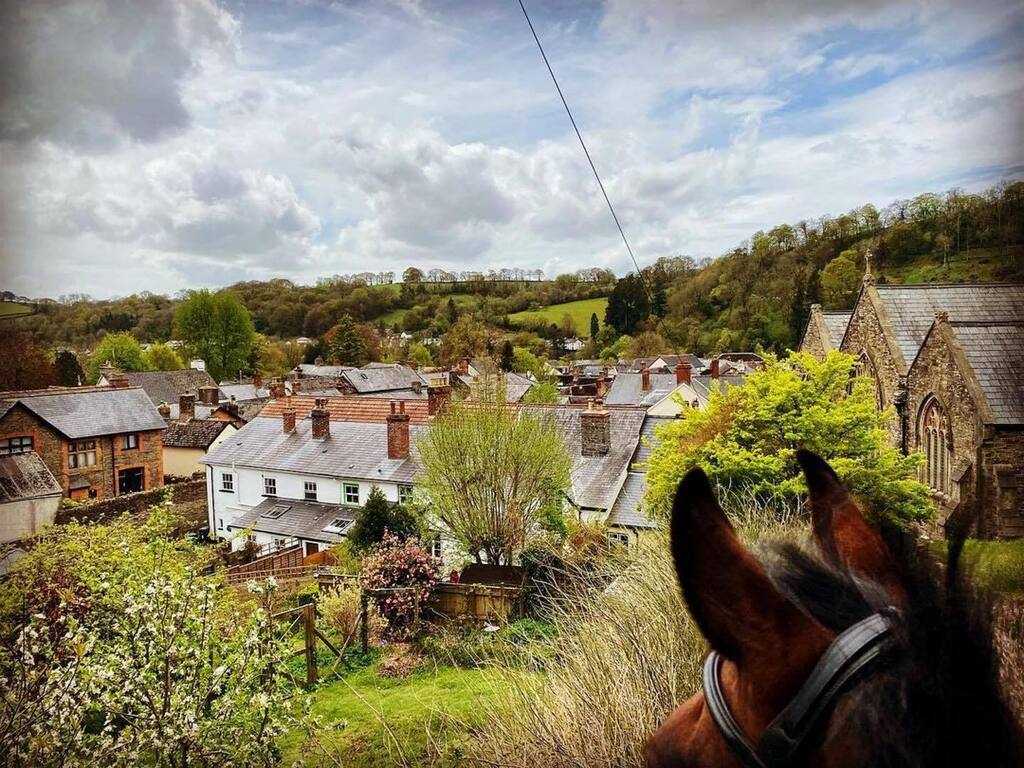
(167, 144)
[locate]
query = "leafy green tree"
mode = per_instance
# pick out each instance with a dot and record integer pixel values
(412, 275)
(68, 368)
(122, 350)
(748, 436)
(493, 475)
(160, 357)
(466, 338)
(380, 516)
(347, 346)
(840, 280)
(524, 361)
(420, 354)
(542, 393)
(217, 328)
(507, 356)
(595, 326)
(452, 311)
(628, 304)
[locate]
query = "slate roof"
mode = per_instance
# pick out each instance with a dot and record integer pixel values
(382, 377)
(670, 360)
(995, 352)
(197, 433)
(168, 386)
(835, 325)
(354, 449)
(302, 520)
(911, 308)
(626, 510)
(647, 440)
(308, 369)
(357, 448)
(24, 476)
(516, 386)
(243, 392)
(89, 412)
(625, 389)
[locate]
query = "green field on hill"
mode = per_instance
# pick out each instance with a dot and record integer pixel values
(13, 309)
(580, 311)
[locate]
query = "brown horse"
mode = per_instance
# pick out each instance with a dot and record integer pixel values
(927, 696)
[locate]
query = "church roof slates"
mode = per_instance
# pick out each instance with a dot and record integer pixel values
(995, 353)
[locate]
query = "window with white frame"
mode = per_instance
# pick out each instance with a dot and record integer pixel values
(309, 490)
(129, 441)
(270, 486)
(618, 539)
(13, 445)
(350, 493)
(81, 453)
(227, 482)
(404, 494)
(434, 547)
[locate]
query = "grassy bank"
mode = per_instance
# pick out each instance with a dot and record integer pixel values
(423, 719)
(13, 309)
(580, 311)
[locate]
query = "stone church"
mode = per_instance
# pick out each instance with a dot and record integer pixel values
(949, 361)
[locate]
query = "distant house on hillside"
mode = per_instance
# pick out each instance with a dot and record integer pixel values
(573, 344)
(97, 442)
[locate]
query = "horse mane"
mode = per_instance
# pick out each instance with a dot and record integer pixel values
(938, 701)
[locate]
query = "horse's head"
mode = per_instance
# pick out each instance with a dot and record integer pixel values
(771, 626)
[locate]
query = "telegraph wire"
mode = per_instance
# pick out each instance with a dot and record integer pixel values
(597, 176)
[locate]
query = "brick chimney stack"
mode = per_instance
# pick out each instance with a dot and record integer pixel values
(119, 380)
(164, 409)
(683, 372)
(321, 419)
(257, 381)
(437, 397)
(186, 407)
(417, 386)
(398, 431)
(714, 367)
(288, 420)
(645, 379)
(276, 389)
(208, 395)
(595, 429)
(296, 386)
(464, 365)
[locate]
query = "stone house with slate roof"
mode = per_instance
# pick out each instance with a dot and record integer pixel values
(98, 442)
(824, 331)
(186, 442)
(305, 466)
(948, 361)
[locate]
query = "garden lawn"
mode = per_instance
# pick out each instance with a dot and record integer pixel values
(14, 309)
(996, 565)
(580, 311)
(423, 718)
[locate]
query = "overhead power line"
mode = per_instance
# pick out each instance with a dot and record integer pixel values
(597, 176)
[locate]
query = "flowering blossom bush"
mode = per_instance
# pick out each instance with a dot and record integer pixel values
(163, 669)
(405, 565)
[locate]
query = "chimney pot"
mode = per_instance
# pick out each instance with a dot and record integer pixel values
(186, 407)
(595, 429)
(288, 420)
(437, 398)
(398, 431)
(208, 395)
(165, 410)
(464, 365)
(321, 419)
(645, 379)
(683, 373)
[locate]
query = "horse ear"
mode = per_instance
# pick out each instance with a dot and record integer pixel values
(843, 534)
(730, 596)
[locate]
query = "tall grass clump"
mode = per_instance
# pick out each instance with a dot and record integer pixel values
(620, 660)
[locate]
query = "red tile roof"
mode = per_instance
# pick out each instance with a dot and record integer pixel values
(366, 409)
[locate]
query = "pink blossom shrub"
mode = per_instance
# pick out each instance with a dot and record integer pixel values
(400, 564)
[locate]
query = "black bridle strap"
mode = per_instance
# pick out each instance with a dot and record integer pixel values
(848, 657)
